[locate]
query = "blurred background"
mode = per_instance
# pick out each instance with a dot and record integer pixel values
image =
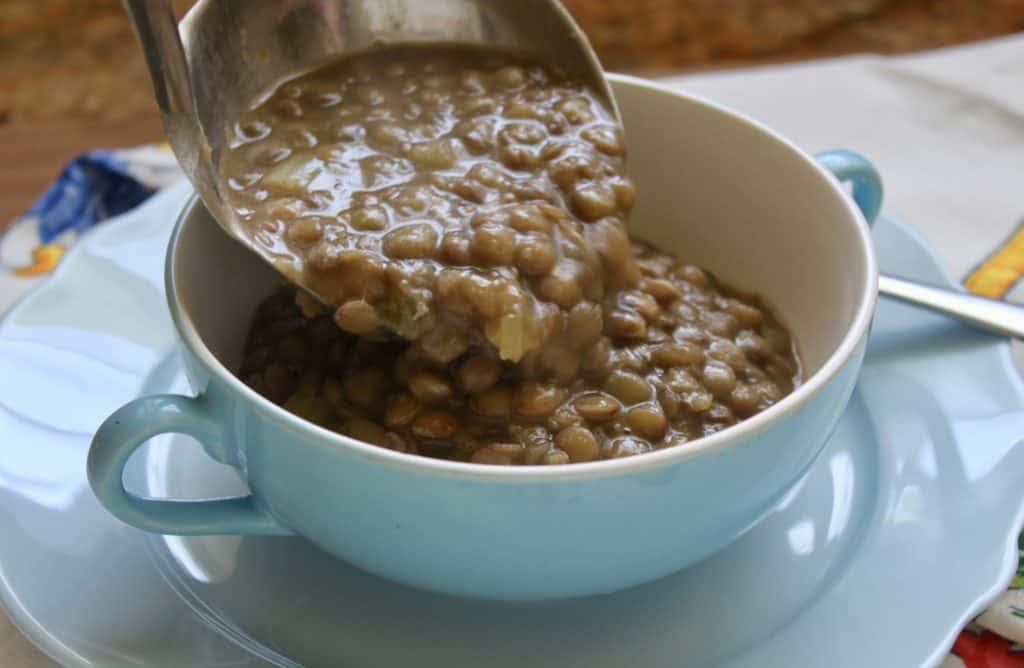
(72, 78)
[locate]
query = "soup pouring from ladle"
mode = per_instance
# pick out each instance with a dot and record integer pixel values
(224, 54)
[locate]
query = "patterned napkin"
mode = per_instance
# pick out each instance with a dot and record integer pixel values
(837, 102)
(995, 639)
(92, 188)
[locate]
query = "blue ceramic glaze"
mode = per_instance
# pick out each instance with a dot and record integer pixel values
(445, 530)
(486, 531)
(855, 168)
(138, 421)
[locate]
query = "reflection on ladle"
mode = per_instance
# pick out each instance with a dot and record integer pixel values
(226, 53)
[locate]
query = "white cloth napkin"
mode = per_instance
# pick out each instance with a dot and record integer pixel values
(946, 130)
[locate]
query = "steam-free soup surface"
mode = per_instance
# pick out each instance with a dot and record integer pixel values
(449, 196)
(465, 215)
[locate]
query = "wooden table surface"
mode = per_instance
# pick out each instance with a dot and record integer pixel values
(63, 91)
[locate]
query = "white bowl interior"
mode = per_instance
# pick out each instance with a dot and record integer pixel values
(717, 190)
(219, 284)
(724, 194)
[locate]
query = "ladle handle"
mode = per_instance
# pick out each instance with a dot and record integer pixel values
(157, 30)
(160, 38)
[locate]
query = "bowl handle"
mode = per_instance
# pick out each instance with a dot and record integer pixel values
(867, 184)
(132, 425)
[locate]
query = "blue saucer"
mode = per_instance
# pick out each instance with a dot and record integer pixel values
(905, 527)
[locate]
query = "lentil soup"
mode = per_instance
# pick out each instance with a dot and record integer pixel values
(464, 214)
(679, 358)
(449, 196)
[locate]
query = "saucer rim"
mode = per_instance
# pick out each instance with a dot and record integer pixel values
(43, 639)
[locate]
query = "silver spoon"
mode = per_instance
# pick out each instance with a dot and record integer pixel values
(981, 312)
(225, 53)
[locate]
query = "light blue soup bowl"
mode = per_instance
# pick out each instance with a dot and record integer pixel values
(716, 188)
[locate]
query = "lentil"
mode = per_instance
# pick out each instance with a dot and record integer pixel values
(429, 140)
(465, 220)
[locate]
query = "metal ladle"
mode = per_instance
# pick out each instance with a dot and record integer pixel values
(209, 67)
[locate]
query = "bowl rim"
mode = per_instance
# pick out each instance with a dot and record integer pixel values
(658, 459)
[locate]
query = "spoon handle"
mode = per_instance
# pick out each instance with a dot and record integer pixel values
(981, 312)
